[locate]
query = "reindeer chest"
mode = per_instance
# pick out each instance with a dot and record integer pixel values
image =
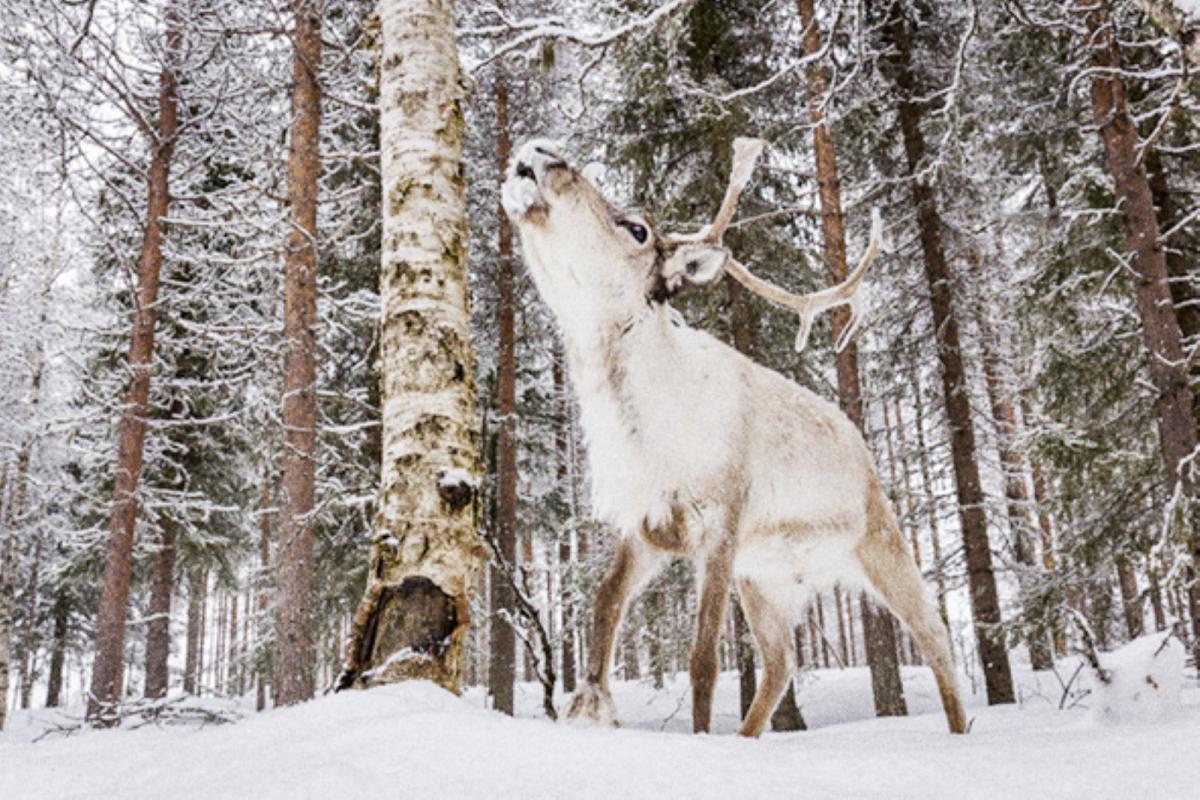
(661, 423)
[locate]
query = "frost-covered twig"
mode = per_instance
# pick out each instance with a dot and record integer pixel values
(532, 31)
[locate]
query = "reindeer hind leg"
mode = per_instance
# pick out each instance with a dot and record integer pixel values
(893, 575)
(773, 635)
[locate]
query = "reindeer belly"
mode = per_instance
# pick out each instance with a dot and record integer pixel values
(791, 564)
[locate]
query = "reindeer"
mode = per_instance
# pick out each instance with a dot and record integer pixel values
(697, 452)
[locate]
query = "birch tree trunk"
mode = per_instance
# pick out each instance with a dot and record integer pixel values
(879, 630)
(1161, 334)
(426, 551)
(502, 653)
(981, 578)
(131, 432)
(294, 626)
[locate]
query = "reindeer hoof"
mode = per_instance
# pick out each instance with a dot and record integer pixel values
(592, 705)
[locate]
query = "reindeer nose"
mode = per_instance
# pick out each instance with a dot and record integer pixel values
(525, 171)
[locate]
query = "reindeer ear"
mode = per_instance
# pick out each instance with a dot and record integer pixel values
(691, 264)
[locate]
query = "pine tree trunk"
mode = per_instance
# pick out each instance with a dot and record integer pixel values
(747, 680)
(8, 562)
(262, 662)
(566, 567)
(787, 716)
(981, 578)
(931, 510)
(233, 667)
(1131, 601)
(158, 631)
(294, 625)
(879, 629)
(426, 550)
(1179, 267)
(197, 594)
(1161, 334)
(29, 647)
(107, 669)
(501, 671)
(58, 653)
(1020, 521)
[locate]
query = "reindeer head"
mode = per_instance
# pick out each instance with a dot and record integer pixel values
(587, 256)
(594, 263)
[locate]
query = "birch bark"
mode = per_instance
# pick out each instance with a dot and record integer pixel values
(426, 552)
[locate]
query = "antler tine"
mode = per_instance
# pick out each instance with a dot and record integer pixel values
(809, 305)
(745, 155)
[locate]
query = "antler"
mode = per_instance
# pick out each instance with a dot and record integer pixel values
(745, 154)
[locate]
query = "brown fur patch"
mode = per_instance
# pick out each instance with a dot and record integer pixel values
(671, 535)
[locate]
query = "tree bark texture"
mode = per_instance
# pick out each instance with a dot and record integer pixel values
(8, 561)
(566, 565)
(296, 655)
(197, 594)
(981, 578)
(58, 652)
(262, 662)
(158, 631)
(879, 630)
(502, 654)
(107, 668)
(1161, 333)
(426, 551)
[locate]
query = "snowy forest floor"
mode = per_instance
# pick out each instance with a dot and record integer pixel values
(416, 741)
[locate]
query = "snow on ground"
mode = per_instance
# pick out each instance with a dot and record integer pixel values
(416, 741)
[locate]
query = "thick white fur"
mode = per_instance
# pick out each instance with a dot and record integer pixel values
(673, 416)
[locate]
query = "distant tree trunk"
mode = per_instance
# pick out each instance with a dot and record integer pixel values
(878, 628)
(233, 668)
(1131, 600)
(931, 509)
(501, 671)
(197, 594)
(1161, 333)
(843, 645)
(29, 645)
(107, 668)
(158, 631)
(262, 670)
(787, 716)
(296, 656)
(1045, 529)
(1156, 602)
(58, 653)
(981, 578)
(8, 560)
(1179, 266)
(566, 566)
(1020, 521)
(747, 680)
(426, 550)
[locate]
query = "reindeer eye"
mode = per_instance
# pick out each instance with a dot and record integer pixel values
(635, 230)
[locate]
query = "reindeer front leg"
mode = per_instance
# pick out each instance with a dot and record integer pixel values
(714, 595)
(634, 564)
